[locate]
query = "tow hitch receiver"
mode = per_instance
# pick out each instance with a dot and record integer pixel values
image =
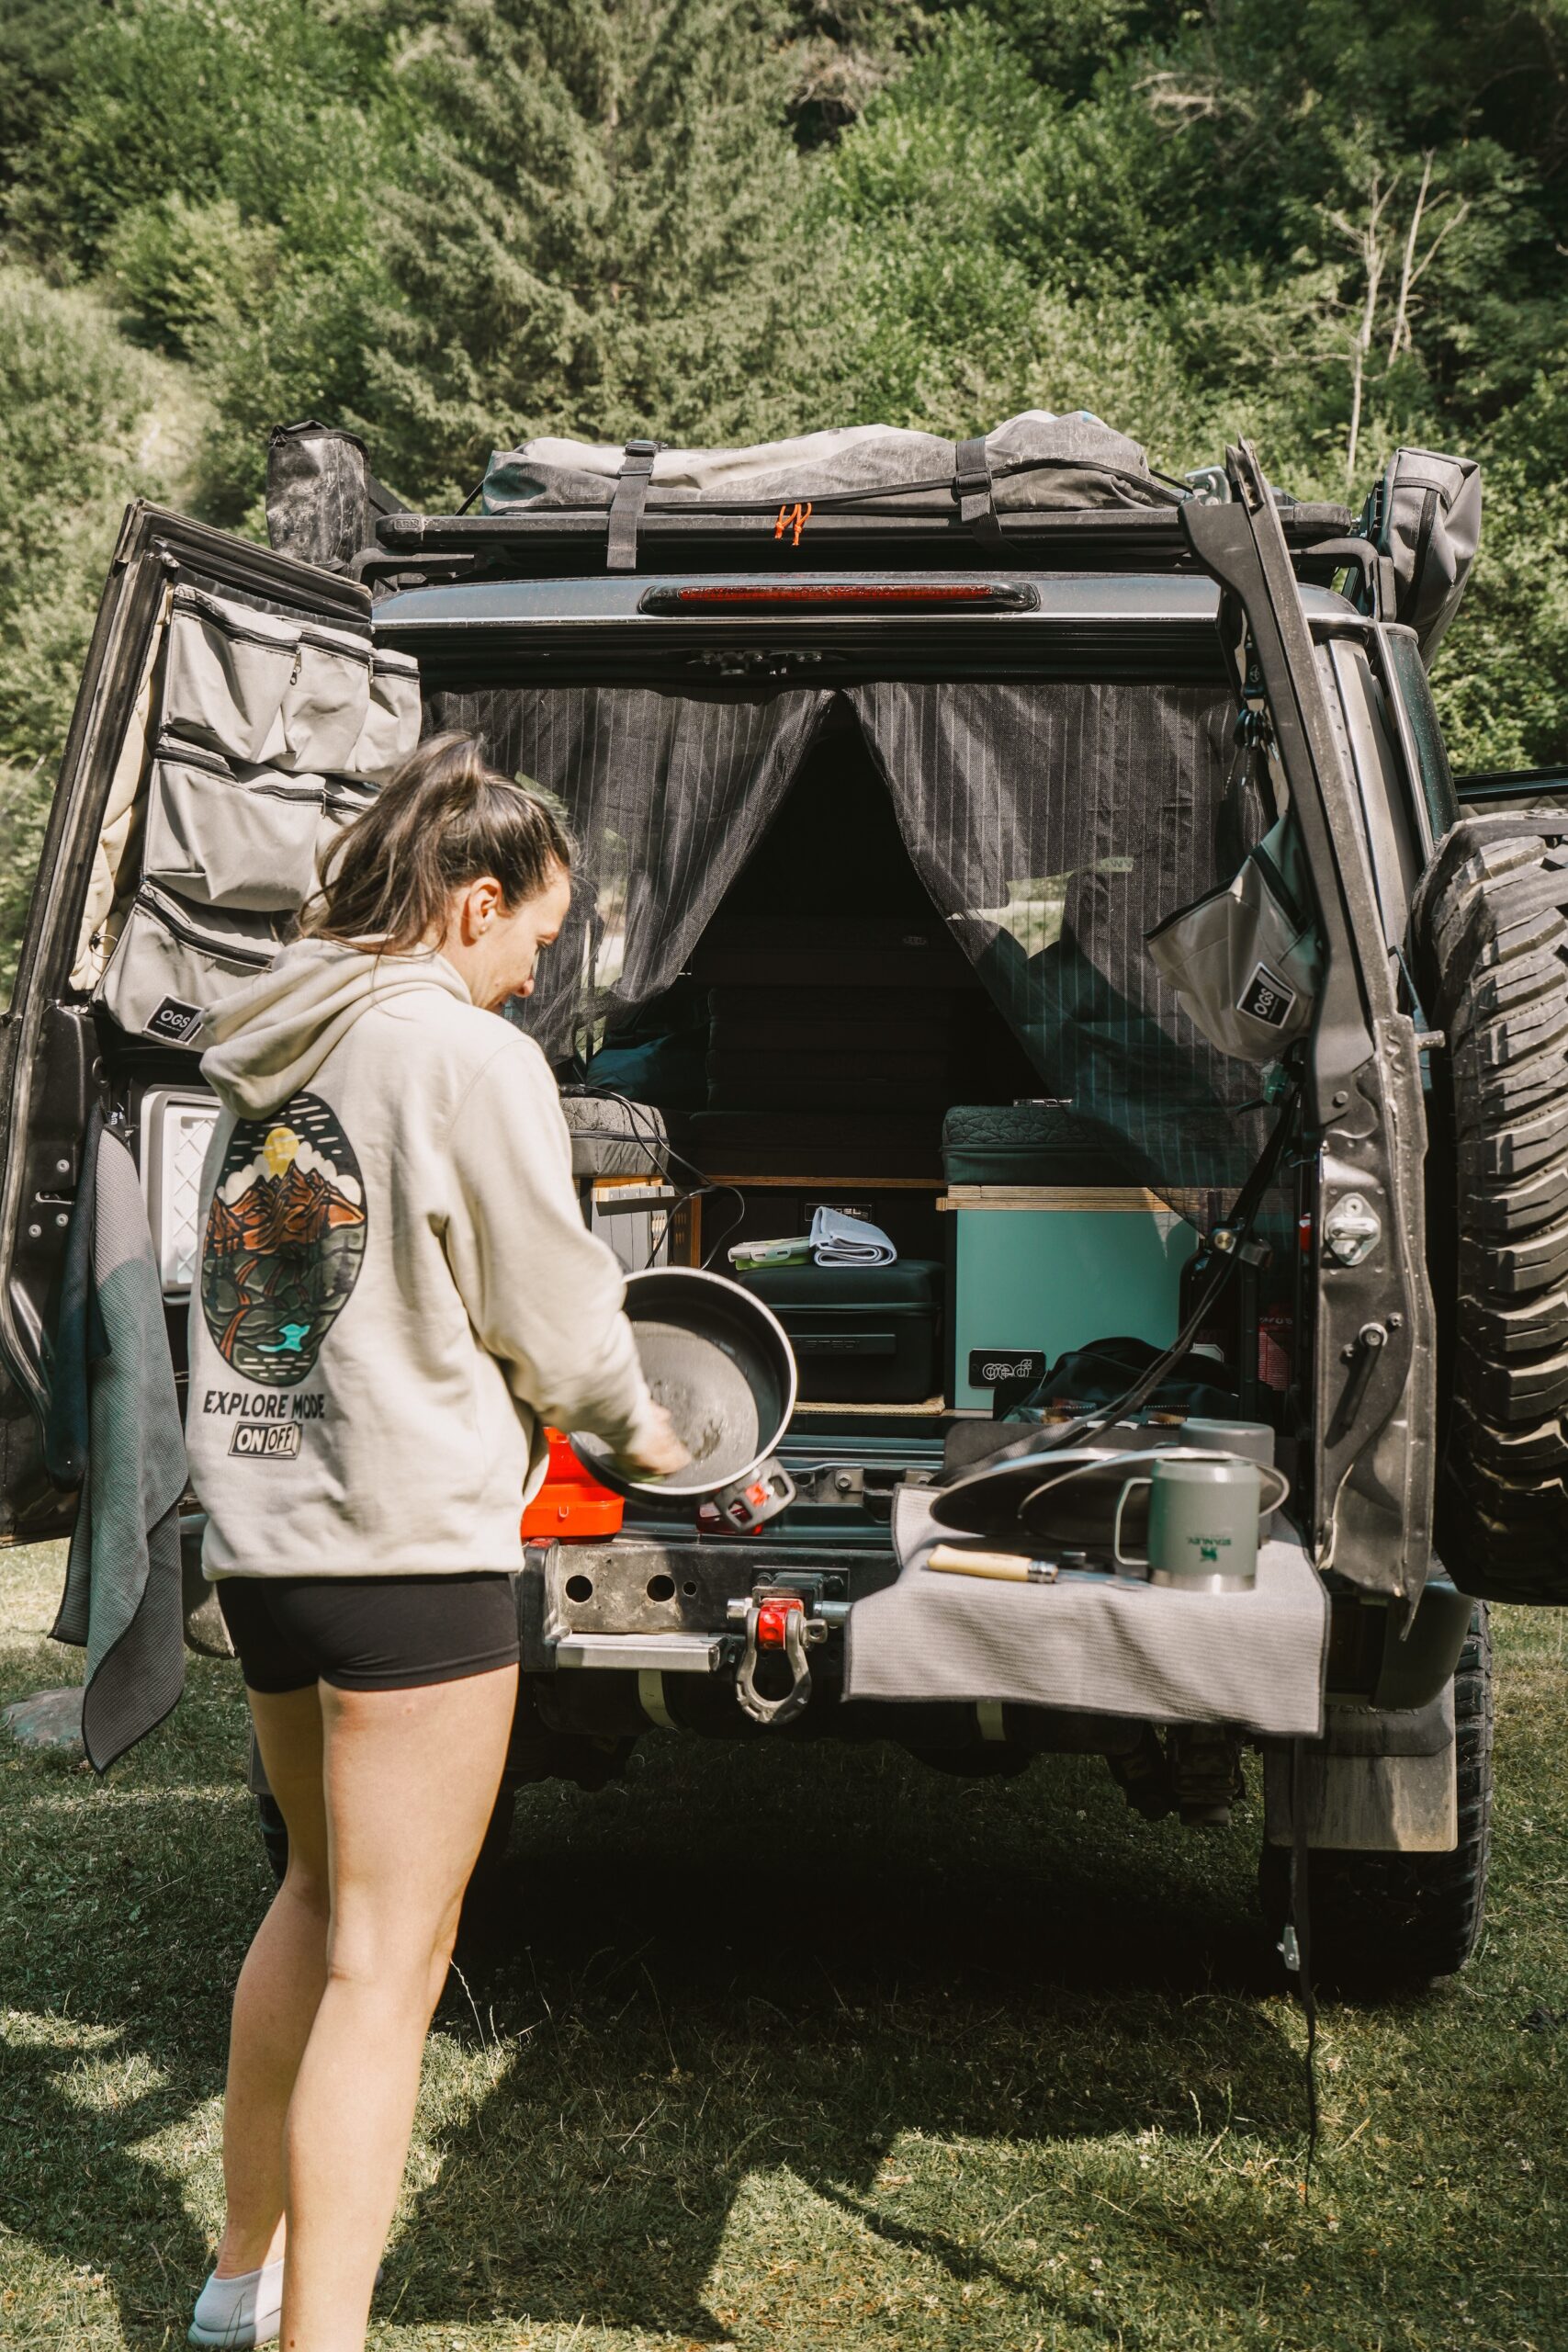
(775, 1619)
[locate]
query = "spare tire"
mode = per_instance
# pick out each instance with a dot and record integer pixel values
(1493, 938)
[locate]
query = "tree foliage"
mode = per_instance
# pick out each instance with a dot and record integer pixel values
(596, 230)
(85, 421)
(1334, 226)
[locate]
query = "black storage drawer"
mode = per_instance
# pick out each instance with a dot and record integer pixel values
(860, 1334)
(1028, 1143)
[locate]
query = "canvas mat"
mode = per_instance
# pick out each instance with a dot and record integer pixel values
(1113, 1647)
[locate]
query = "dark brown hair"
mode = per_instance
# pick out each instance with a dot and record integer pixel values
(443, 820)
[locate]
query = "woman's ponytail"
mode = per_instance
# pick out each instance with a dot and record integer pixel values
(443, 820)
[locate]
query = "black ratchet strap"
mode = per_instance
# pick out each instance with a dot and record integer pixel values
(976, 500)
(625, 507)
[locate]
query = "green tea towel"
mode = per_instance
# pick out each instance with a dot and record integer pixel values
(122, 1599)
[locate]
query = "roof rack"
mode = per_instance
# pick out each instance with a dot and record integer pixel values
(1483, 787)
(571, 541)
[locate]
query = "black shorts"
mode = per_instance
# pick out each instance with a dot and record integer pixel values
(368, 1633)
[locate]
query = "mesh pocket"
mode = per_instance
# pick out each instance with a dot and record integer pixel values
(172, 963)
(391, 721)
(327, 703)
(229, 838)
(226, 675)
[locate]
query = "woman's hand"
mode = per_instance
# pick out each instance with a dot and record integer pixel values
(659, 1453)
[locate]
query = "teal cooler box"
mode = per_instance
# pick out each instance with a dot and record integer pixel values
(862, 1335)
(1052, 1247)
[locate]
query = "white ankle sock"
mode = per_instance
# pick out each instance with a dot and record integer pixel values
(234, 2313)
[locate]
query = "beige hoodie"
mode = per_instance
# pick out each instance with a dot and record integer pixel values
(396, 1287)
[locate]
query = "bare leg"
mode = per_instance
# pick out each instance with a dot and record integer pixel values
(410, 1779)
(279, 1989)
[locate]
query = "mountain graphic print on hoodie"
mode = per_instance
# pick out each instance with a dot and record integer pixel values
(396, 1289)
(283, 1242)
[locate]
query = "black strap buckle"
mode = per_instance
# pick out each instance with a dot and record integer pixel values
(972, 487)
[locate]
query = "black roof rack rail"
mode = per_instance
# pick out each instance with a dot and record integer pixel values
(558, 539)
(1483, 785)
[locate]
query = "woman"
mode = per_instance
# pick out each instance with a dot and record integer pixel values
(396, 1291)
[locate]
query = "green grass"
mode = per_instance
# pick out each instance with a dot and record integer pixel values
(794, 2050)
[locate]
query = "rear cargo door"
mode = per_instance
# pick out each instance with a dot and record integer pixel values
(1367, 1493)
(55, 1058)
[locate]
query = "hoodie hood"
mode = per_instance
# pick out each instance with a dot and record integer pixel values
(267, 1040)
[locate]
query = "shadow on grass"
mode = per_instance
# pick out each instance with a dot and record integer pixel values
(105, 1955)
(734, 1966)
(98, 2208)
(734, 1991)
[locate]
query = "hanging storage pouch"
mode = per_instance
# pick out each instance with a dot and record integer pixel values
(227, 671)
(391, 723)
(230, 836)
(1425, 515)
(172, 963)
(1246, 961)
(346, 798)
(327, 702)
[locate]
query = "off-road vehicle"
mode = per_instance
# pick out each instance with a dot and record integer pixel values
(885, 760)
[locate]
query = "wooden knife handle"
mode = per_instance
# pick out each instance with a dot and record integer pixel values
(1012, 1568)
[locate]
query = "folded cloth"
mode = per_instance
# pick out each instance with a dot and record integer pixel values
(1107, 1645)
(122, 1597)
(840, 1240)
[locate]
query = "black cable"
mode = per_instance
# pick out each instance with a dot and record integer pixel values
(1297, 1925)
(661, 1152)
(1243, 1218)
(736, 1222)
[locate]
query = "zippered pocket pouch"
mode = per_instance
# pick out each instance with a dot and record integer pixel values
(172, 963)
(346, 798)
(230, 837)
(225, 676)
(327, 701)
(1246, 961)
(391, 721)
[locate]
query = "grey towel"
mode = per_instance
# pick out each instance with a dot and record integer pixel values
(122, 1600)
(1111, 1647)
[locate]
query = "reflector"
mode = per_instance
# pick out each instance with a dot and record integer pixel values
(769, 596)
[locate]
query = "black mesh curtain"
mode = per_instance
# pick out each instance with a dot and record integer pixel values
(1053, 825)
(667, 795)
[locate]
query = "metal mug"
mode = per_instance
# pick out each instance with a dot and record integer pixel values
(1205, 1514)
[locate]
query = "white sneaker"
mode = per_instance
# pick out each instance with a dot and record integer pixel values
(235, 2313)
